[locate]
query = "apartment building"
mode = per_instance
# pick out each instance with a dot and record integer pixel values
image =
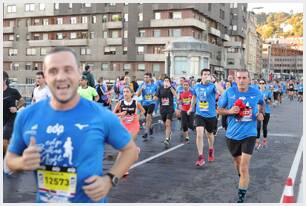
(282, 62)
(114, 38)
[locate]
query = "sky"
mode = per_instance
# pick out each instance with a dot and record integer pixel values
(276, 7)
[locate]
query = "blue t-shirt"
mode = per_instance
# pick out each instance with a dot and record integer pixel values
(255, 86)
(275, 88)
(245, 127)
(206, 99)
(267, 94)
(72, 138)
(234, 84)
(300, 88)
(148, 93)
(283, 87)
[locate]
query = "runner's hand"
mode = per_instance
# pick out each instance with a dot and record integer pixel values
(31, 157)
(97, 187)
(234, 110)
(260, 116)
(13, 109)
(189, 111)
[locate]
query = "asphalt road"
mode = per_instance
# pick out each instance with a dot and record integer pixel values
(173, 178)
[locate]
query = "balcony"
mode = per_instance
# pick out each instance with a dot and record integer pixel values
(155, 57)
(153, 40)
(9, 29)
(113, 25)
(215, 32)
(234, 44)
(226, 37)
(47, 43)
(178, 23)
(114, 41)
(7, 44)
(58, 27)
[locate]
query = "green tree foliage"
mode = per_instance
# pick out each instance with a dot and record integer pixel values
(269, 25)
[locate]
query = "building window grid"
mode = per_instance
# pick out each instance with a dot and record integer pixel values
(29, 7)
(13, 52)
(56, 6)
(42, 7)
(11, 9)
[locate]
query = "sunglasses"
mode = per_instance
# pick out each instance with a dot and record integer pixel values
(261, 83)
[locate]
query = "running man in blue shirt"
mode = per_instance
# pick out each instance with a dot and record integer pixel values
(243, 105)
(206, 117)
(148, 90)
(62, 139)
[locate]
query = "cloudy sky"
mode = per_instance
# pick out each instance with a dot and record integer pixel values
(276, 7)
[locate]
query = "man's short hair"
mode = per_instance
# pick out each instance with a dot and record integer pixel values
(6, 78)
(84, 77)
(244, 70)
(148, 74)
(40, 73)
(205, 70)
(167, 77)
(87, 67)
(63, 49)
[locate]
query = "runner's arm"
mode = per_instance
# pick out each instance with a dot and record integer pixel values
(140, 107)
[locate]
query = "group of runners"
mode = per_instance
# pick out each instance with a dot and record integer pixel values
(70, 140)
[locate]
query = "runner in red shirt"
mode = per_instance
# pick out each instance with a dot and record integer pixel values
(185, 103)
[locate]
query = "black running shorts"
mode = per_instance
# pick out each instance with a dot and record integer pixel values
(210, 124)
(237, 147)
(149, 108)
(166, 115)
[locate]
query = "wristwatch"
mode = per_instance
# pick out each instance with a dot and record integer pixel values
(114, 179)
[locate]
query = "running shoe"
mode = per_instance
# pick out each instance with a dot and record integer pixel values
(257, 145)
(211, 154)
(186, 140)
(167, 143)
(126, 174)
(145, 137)
(264, 143)
(200, 161)
(151, 131)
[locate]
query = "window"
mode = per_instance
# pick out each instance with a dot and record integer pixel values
(234, 27)
(140, 49)
(31, 51)
(230, 61)
(181, 64)
(116, 17)
(105, 34)
(43, 51)
(115, 34)
(73, 20)
(104, 18)
(42, 7)
(73, 35)
(125, 49)
(30, 80)
(175, 32)
(56, 6)
(36, 21)
(29, 7)
(94, 19)
(59, 36)
(92, 35)
(15, 66)
(87, 5)
(109, 50)
(125, 34)
(59, 21)
(84, 19)
(221, 14)
(28, 66)
(141, 67)
(126, 17)
(85, 51)
(11, 9)
(156, 68)
(157, 15)
(70, 5)
(140, 17)
(13, 52)
(11, 37)
(177, 15)
(141, 33)
(156, 33)
(104, 66)
(112, 4)
(127, 67)
(45, 22)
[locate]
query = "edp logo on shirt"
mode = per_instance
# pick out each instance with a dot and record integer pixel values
(56, 129)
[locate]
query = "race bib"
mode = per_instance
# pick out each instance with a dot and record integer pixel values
(128, 118)
(204, 106)
(165, 101)
(148, 97)
(186, 101)
(247, 115)
(56, 184)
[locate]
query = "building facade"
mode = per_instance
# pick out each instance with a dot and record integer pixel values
(282, 62)
(114, 38)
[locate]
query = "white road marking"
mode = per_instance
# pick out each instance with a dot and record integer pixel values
(159, 154)
(281, 135)
(295, 165)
